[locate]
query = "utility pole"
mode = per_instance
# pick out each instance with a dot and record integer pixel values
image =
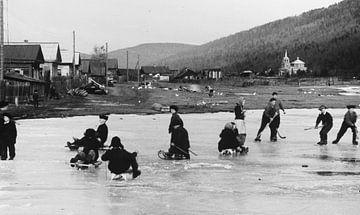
(138, 66)
(74, 60)
(106, 64)
(1, 40)
(127, 66)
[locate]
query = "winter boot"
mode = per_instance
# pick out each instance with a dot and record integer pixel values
(355, 142)
(257, 139)
(335, 142)
(136, 173)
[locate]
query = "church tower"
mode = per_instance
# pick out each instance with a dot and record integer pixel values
(286, 62)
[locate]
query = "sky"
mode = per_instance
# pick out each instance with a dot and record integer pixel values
(127, 23)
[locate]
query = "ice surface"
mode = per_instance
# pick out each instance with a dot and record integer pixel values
(291, 176)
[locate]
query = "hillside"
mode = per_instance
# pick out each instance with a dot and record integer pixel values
(148, 53)
(327, 39)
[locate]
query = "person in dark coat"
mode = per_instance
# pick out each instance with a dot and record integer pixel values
(36, 98)
(179, 143)
(268, 116)
(8, 137)
(228, 138)
(119, 159)
(174, 118)
(278, 106)
(3, 107)
(349, 122)
(102, 130)
(327, 123)
(88, 153)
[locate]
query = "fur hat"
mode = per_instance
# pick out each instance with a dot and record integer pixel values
(322, 107)
(174, 107)
(272, 99)
(116, 142)
(3, 104)
(103, 116)
(229, 125)
(8, 115)
(90, 132)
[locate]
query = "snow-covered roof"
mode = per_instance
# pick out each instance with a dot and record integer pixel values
(298, 61)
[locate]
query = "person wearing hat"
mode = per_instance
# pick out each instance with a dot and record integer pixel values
(179, 143)
(89, 150)
(102, 129)
(268, 116)
(240, 119)
(229, 140)
(327, 123)
(120, 160)
(175, 117)
(349, 122)
(8, 138)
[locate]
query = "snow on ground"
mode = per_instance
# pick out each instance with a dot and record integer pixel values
(292, 176)
(350, 91)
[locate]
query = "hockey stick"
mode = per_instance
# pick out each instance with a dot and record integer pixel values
(306, 129)
(184, 151)
(282, 137)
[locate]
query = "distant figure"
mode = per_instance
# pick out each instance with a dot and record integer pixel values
(349, 122)
(240, 118)
(120, 160)
(327, 123)
(175, 117)
(8, 137)
(268, 116)
(90, 146)
(36, 99)
(102, 130)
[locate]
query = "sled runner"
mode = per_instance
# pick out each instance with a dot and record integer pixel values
(165, 156)
(234, 152)
(128, 175)
(80, 165)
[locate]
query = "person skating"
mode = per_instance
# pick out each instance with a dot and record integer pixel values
(120, 160)
(240, 119)
(349, 122)
(174, 118)
(179, 143)
(268, 117)
(8, 137)
(102, 129)
(278, 106)
(327, 123)
(230, 142)
(88, 153)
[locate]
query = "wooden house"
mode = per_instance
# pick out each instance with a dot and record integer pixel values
(159, 73)
(66, 67)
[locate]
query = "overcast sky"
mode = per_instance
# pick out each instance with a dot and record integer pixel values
(127, 23)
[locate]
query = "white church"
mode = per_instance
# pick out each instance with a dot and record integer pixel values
(291, 68)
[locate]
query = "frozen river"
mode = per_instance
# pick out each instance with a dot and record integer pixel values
(292, 176)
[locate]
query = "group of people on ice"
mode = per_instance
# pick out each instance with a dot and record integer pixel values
(88, 147)
(8, 133)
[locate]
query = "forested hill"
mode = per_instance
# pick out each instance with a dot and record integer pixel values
(327, 39)
(148, 53)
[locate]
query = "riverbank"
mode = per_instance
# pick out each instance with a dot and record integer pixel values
(130, 99)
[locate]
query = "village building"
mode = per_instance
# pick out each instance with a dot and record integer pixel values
(52, 57)
(211, 74)
(66, 67)
(186, 75)
(159, 73)
(292, 68)
(22, 73)
(112, 68)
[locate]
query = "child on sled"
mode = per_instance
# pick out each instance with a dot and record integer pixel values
(179, 143)
(231, 142)
(120, 160)
(88, 152)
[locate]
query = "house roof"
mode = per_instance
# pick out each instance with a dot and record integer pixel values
(23, 54)
(185, 72)
(298, 61)
(154, 70)
(18, 77)
(67, 57)
(50, 50)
